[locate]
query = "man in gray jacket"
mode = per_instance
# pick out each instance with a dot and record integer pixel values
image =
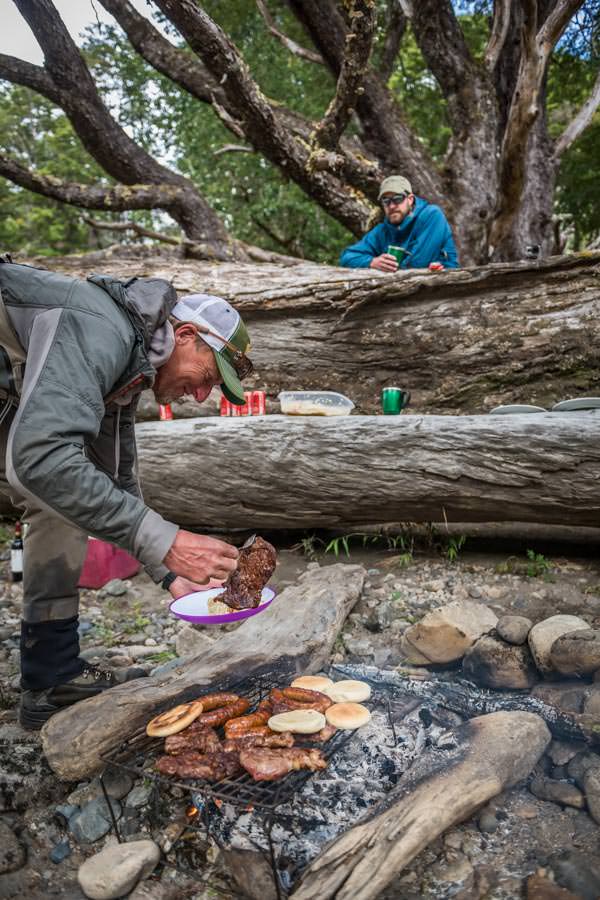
(74, 358)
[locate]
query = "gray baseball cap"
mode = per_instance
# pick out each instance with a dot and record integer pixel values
(220, 325)
(394, 184)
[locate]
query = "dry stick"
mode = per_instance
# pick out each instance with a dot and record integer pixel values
(288, 43)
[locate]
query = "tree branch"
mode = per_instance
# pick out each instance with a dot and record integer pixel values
(288, 43)
(556, 22)
(500, 23)
(233, 148)
(579, 123)
(179, 65)
(114, 198)
(137, 229)
(393, 38)
(36, 78)
(356, 59)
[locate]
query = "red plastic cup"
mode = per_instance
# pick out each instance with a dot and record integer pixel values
(165, 413)
(225, 407)
(247, 407)
(259, 403)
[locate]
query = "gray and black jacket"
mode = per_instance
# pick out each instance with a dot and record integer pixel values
(74, 359)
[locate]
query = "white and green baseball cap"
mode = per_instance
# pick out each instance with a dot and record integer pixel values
(223, 329)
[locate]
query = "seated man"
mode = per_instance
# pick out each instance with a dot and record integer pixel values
(412, 223)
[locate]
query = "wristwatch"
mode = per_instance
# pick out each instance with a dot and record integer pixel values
(168, 580)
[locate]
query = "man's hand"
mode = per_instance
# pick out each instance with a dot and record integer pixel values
(182, 586)
(200, 558)
(385, 263)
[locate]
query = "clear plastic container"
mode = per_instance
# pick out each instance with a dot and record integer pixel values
(314, 403)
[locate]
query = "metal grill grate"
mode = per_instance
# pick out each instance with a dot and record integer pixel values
(138, 754)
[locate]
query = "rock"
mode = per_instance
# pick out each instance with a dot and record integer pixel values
(557, 792)
(137, 651)
(60, 851)
(119, 662)
(578, 873)
(456, 870)
(93, 821)
(445, 634)
(155, 890)
(116, 869)
(63, 813)
(114, 588)
(562, 752)
(357, 646)
(139, 796)
(12, 854)
(566, 695)
(117, 783)
(543, 635)
(191, 641)
(514, 629)
(591, 788)
(541, 888)
(494, 664)
(488, 823)
(591, 703)
(576, 653)
(582, 763)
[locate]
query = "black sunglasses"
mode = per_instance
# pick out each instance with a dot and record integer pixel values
(397, 199)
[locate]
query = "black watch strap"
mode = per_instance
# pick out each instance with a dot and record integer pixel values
(168, 580)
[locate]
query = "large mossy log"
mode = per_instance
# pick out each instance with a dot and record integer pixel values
(281, 472)
(462, 341)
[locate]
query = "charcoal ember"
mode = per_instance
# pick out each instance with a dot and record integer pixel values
(203, 740)
(256, 564)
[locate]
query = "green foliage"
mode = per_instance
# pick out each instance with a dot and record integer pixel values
(455, 545)
(535, 565)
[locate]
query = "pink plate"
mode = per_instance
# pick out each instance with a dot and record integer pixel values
(194, 607)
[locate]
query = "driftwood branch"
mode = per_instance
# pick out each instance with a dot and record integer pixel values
(296, 634)
(288, 43)
(482, 758)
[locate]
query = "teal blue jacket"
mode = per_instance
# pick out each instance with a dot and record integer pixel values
(425, 234)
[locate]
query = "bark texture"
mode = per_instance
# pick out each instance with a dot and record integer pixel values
(295, 634)
(461, 341)
(486, 755)
(285, 472)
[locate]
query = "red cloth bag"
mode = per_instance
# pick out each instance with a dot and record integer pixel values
(105, 562)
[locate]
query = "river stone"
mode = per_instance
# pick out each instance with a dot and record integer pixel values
(591, 789)
(117, 868)
(576, 653)
(562, 752)
(591, 704)
(557, 792)
(445, 634)
(567, 696)
(494, 664)
(542, 636)
(578, 872)
(93, 821)
(12, 854)
(513, 629)
(581, 764)
(139, 796)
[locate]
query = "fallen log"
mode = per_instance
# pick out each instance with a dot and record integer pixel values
(291, 472)
(295, 635)
(480, 759)
(462, 341)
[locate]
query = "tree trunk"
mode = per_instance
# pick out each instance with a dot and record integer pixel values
(295, 472)
(294, 636)
(460, 341)
(485, 756)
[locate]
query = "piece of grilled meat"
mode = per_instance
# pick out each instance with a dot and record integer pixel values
(202, 740)
(282, 739)
(256, 564)
(269, 765)
(209, 766)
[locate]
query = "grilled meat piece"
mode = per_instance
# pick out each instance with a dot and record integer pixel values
(269, 765)
(256, 564)
(209, 766)
(274, 739)
(319, 737)
(202, 740)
